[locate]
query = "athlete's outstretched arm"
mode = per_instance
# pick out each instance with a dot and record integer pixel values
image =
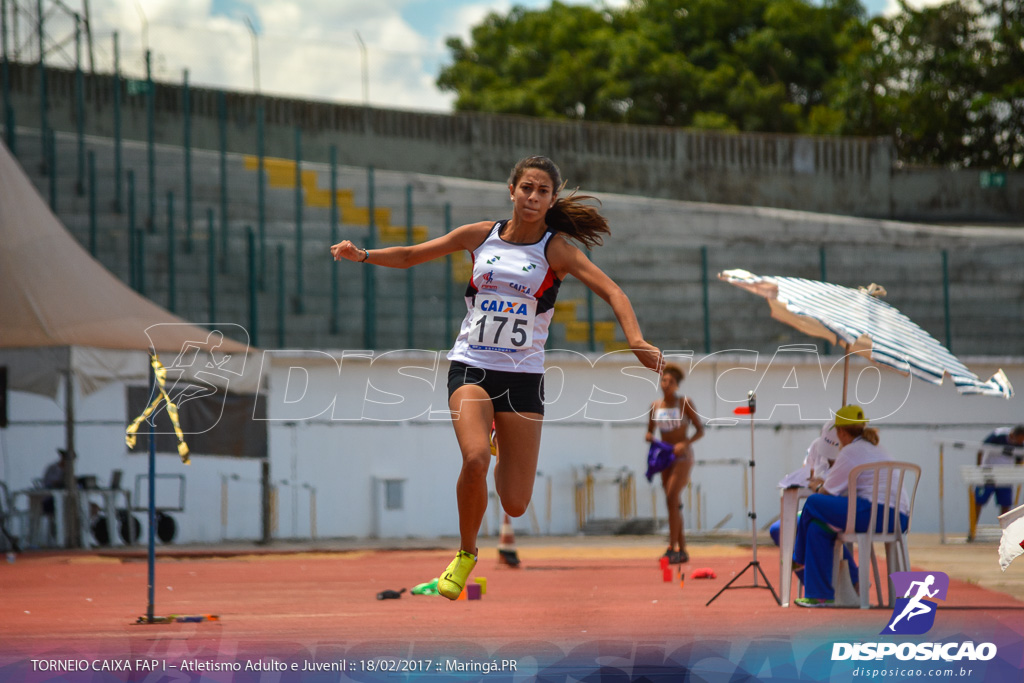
(567, 259)
(467, 237)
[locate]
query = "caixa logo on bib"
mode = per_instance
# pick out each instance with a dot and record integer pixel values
(914, 613)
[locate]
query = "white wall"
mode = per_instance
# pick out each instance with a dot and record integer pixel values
(338, 421)
(343, 423)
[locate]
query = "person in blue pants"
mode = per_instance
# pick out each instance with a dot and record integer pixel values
(825, 510)
(821, 454)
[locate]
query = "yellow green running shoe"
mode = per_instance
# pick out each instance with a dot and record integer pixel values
(453, 580)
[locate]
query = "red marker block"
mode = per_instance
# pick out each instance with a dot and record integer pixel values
(667, 574)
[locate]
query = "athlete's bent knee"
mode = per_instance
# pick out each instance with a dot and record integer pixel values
(515, 508)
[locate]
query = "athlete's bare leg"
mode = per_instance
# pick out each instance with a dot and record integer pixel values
(472, 415)
(516, 471)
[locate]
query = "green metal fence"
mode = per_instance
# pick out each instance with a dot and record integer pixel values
(972, 299)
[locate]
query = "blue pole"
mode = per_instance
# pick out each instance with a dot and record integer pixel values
(151, 555)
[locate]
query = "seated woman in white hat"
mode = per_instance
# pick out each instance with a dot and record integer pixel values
(825, 510)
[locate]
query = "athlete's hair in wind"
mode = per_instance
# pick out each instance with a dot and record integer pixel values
(569, 215)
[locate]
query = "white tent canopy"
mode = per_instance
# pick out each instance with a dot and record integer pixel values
(866, 326)
(62, 311)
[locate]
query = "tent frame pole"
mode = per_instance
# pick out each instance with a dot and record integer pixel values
(846, 371)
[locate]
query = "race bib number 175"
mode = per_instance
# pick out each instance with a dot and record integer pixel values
(502, 323)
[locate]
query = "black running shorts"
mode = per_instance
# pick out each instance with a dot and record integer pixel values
(510, 392)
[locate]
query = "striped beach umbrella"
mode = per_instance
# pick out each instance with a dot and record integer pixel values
(863, 324)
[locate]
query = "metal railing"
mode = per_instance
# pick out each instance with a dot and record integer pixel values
(970, 299)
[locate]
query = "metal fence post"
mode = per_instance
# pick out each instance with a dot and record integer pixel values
(140, 267)
(945, 300)
(118, 198)
(50, 154)
(705, 298)
(150, 142)
(253, 302)
(79, 108)
(448, 278)
(410, 309)
(211, 267)
(44, 123)
(333, 323)
(5, 77)
(299, 302)
(92, 203)
(281, 298)
(132, 246)
(261, 182)
(369, 279)
(591, 337)
(172, 294)
(823, 263)
(186, 109)
(222, 130)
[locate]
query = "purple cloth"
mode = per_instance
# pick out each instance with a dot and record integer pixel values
(660, 456)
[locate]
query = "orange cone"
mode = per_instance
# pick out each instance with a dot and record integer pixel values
(507, 544)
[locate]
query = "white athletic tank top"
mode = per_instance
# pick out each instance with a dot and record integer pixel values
(510, 301)
(668, 419)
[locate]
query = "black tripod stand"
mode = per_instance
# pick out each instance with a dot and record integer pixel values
(753, 564)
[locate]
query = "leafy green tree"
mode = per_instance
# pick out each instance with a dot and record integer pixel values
(945, 82)
(941, 81)
(1004, 84)
(551, 63)
(732, 64)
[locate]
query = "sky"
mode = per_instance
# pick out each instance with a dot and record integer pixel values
(311, 49)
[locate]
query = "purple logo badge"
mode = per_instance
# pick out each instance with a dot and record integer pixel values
(914, 613)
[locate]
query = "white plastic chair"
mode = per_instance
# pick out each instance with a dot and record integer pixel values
(884, 476)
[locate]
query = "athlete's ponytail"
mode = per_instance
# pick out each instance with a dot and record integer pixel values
(869, 434)
(569, 216)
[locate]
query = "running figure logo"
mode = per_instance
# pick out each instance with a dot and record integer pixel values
(914, 613)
